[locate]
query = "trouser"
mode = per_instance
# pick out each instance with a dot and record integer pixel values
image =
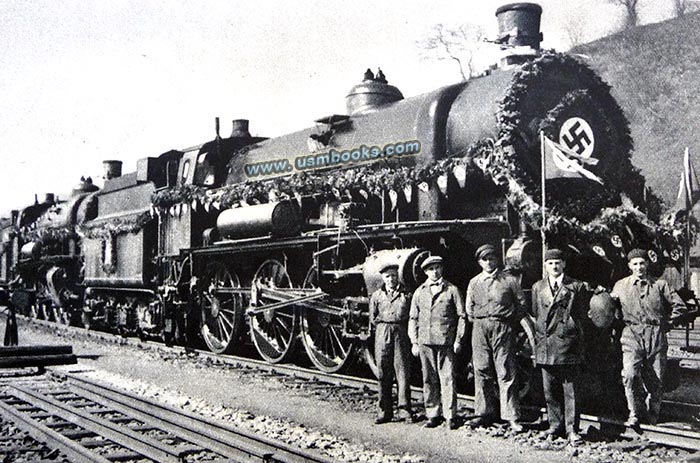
(560, 383)
(495, 366)
(644, 350)
(439, 395)
(11, 328)
(392, 350)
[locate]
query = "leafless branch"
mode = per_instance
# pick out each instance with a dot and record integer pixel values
(454, 43)
(683, 7)
(631, 11)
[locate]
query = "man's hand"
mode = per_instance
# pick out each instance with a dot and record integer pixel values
(599, 289)
(457, 348)
(415, 350)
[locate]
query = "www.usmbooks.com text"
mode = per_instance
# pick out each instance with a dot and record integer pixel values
(332, 158)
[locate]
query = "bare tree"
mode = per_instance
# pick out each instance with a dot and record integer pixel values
(575, 28)
(457, 44)
(682, 7)
(631, 10)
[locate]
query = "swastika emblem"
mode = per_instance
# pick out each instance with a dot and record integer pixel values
(577, 135)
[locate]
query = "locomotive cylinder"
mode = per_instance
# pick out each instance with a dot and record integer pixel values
(279, 219)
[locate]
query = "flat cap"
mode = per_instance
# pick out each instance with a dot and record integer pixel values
(432, 260)
(637, 253)
(551, 254)
(388, 266)
(484, 250)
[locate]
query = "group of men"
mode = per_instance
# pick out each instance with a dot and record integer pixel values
(431, 325)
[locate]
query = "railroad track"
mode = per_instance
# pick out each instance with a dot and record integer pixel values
(90, 422)
(671, 434)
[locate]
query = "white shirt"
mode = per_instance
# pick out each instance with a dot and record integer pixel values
(558, 281)
(435, 286)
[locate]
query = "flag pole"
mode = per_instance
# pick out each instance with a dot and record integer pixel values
(544, 200)
(688, 208)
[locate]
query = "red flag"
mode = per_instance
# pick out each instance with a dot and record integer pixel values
(563, 162)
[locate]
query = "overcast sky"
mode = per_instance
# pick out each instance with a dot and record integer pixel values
(83, 81)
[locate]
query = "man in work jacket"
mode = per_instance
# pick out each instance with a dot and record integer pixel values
(560, 305)
(436, 328)
(388, 312)
(495, 303)
(647, 306)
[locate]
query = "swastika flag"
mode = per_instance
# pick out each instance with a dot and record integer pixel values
(560, 161)
(688, 190)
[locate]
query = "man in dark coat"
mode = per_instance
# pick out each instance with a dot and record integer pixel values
(647, 307)
(436, 328)
(388, 313)
(495, 304)
(560, 305)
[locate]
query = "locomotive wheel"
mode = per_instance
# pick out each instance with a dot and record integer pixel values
(322, 335)
(42, 313)
(86, 319)
(62, 316)
(370, 358)
(274, 332)
(222, 313)
(33, 311)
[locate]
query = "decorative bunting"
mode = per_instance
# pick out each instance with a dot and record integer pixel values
(442, 184)
(460, 174)
(408, 193)
(393, 198)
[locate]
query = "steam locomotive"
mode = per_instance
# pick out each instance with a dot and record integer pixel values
(279, 239)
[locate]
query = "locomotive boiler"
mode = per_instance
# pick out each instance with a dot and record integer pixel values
(277, 239)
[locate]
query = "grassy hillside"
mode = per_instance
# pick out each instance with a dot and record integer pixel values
(655, 74)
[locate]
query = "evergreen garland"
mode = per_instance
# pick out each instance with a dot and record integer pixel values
(104, 229)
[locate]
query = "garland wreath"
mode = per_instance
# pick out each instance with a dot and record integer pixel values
(46, 235)
(352, 183)
(108, 229)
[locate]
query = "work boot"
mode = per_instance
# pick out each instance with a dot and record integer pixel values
(481, 422)
(452, 424)
(432, 423)
(553, 432)
(381, 419)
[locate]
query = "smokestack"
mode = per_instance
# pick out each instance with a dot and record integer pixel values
(49, 198)
(240, 128)
(519, 31)
(112, 169)
(519, 25)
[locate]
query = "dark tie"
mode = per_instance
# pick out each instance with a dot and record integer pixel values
(555, 287)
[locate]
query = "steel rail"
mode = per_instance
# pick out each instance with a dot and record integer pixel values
(146, 446)
(42, 433)
(228, 438)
